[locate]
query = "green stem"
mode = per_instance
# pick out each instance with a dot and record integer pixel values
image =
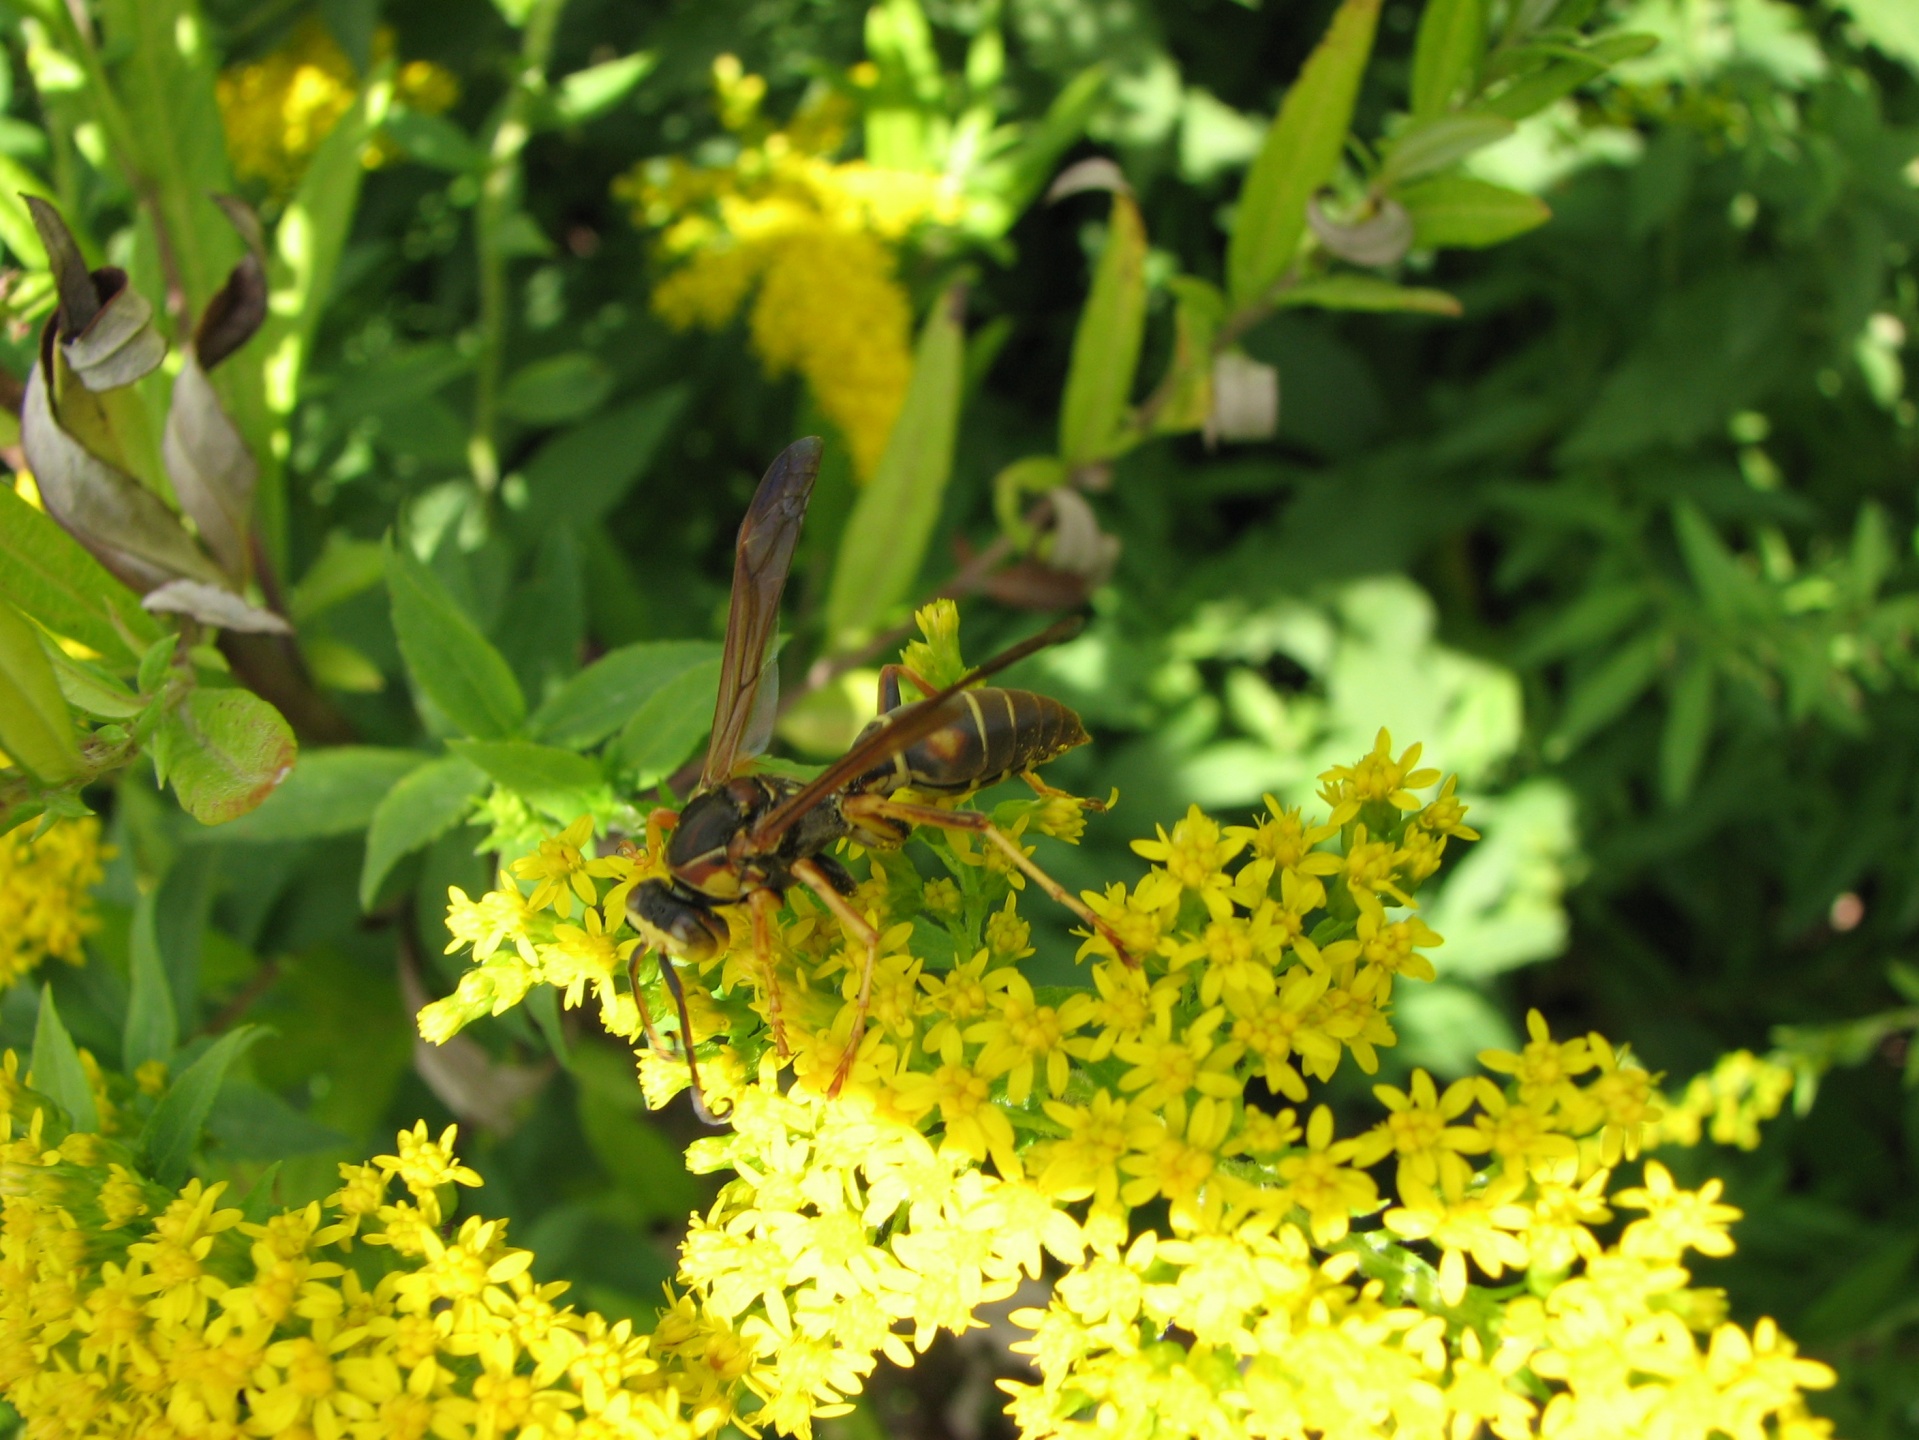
(499, 189)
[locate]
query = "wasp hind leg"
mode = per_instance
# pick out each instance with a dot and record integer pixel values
(817, 879)
(857, 807)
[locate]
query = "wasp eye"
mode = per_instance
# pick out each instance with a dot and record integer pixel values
(675, 924)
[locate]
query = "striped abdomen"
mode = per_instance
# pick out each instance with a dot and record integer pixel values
(990, 735)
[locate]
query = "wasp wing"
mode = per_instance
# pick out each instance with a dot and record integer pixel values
(910, 725)
(761, 559)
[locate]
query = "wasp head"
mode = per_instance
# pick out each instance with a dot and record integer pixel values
(678, 923)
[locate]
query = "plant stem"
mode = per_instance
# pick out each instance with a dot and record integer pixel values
(499, 189)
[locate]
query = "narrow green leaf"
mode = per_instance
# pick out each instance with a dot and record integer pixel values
(1099, 382)
(344, 568)
(451, 662)
(555, 780)
(664, 730)
(88, 688)
(1605, 694)
(36, 728)
(557, 389)
(1459, 212)
(1008, 184)
(1434, 145)
(173, 1130)
(1682, 744)
(433, 141)
(152, 1028)
(55, 1068)
(886, 536)
(330, 792)
(224, 751)
(603, 697)
(1531, 93)
(309, 239)
(1725, 587)
(416, 812)
(1595, 617)
(1365, 292)
(250, 1122)
(48, 574)
(1301, 152)
(1452, 36)
(587, 94)
(583, 472)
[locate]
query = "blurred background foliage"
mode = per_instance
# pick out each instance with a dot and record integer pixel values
(1631, 542)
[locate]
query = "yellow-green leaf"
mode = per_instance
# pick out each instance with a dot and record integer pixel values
(1452, 35)
(36, 729)
(1106, 345)
(1365, 292)
(1459, 212)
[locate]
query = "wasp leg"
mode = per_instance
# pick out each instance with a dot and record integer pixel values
(856, 807)
(765, 905)
(653, 1040)
(890, 676)
(1052, 792)
(815, 878)
(659, 820)
(695, 1091)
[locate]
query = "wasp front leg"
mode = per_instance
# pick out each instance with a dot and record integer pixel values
(878, 807)
(763, 905)
(814, 876)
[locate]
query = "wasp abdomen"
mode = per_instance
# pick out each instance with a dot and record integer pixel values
(989, 735)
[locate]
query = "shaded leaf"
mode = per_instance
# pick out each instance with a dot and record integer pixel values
(36, 729)
(153, 1027)
(343, 569)
(1436, 144)
(1682, 743)
(557, 389)
(334, 791)
(250, 1122)
(582, 473)
(54, 1068)
(213, 471)
(450, 661)
(72, 278)
(1606, 693)
(173, 1130)
(417, 811)
(48, 574)
(604, 696)
(674, 719)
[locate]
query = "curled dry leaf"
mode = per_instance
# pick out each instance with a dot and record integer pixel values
(1381, 239)
(1079, 546)
(1245, 399)
(213, 471)
(120, 344)
(238, 310)
(126, 526)
(213, 605)
(1094, 173)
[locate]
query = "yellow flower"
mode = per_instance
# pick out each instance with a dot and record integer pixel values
(1431, 1150)
(46, 894)
(560, 865)
(1377, 779)
(1322, 1184)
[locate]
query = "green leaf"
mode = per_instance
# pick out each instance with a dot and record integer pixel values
(886, 536)
(1459, 212)
(250, 1122)
(1099, 382)
(88, 688)
(225, 751)
(163, 69)
(674, 718)
(1433, 145)
(330, 792)
(1301, 152)
(433, 141)
(153, 1027)
(557, 389)
(555, 780)
(1595, 617)
(603, 697)
(309, 239)
(55, 1067)
(416, 812)
(1682, 744)
(1606, 693)
(582, 473)
(47, 573)
(17, 232)
(1534, 92)
(1452, 37)
(1365, 292)
(1725, 587)
(1891, 25)
(36, 728)
(1005, 186)
(450, 661)
(173, 1130)
(344, 568)
(587, 94)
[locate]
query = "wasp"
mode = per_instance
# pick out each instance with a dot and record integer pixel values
(745, 838)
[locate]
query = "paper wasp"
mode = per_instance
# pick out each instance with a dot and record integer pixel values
(746, 838)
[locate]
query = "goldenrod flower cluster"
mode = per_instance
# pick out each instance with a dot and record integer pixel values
(128, 1308)
(276, 110)
(811, 239)
(46, 894)
(1222, 1260)
(1729, 1102)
